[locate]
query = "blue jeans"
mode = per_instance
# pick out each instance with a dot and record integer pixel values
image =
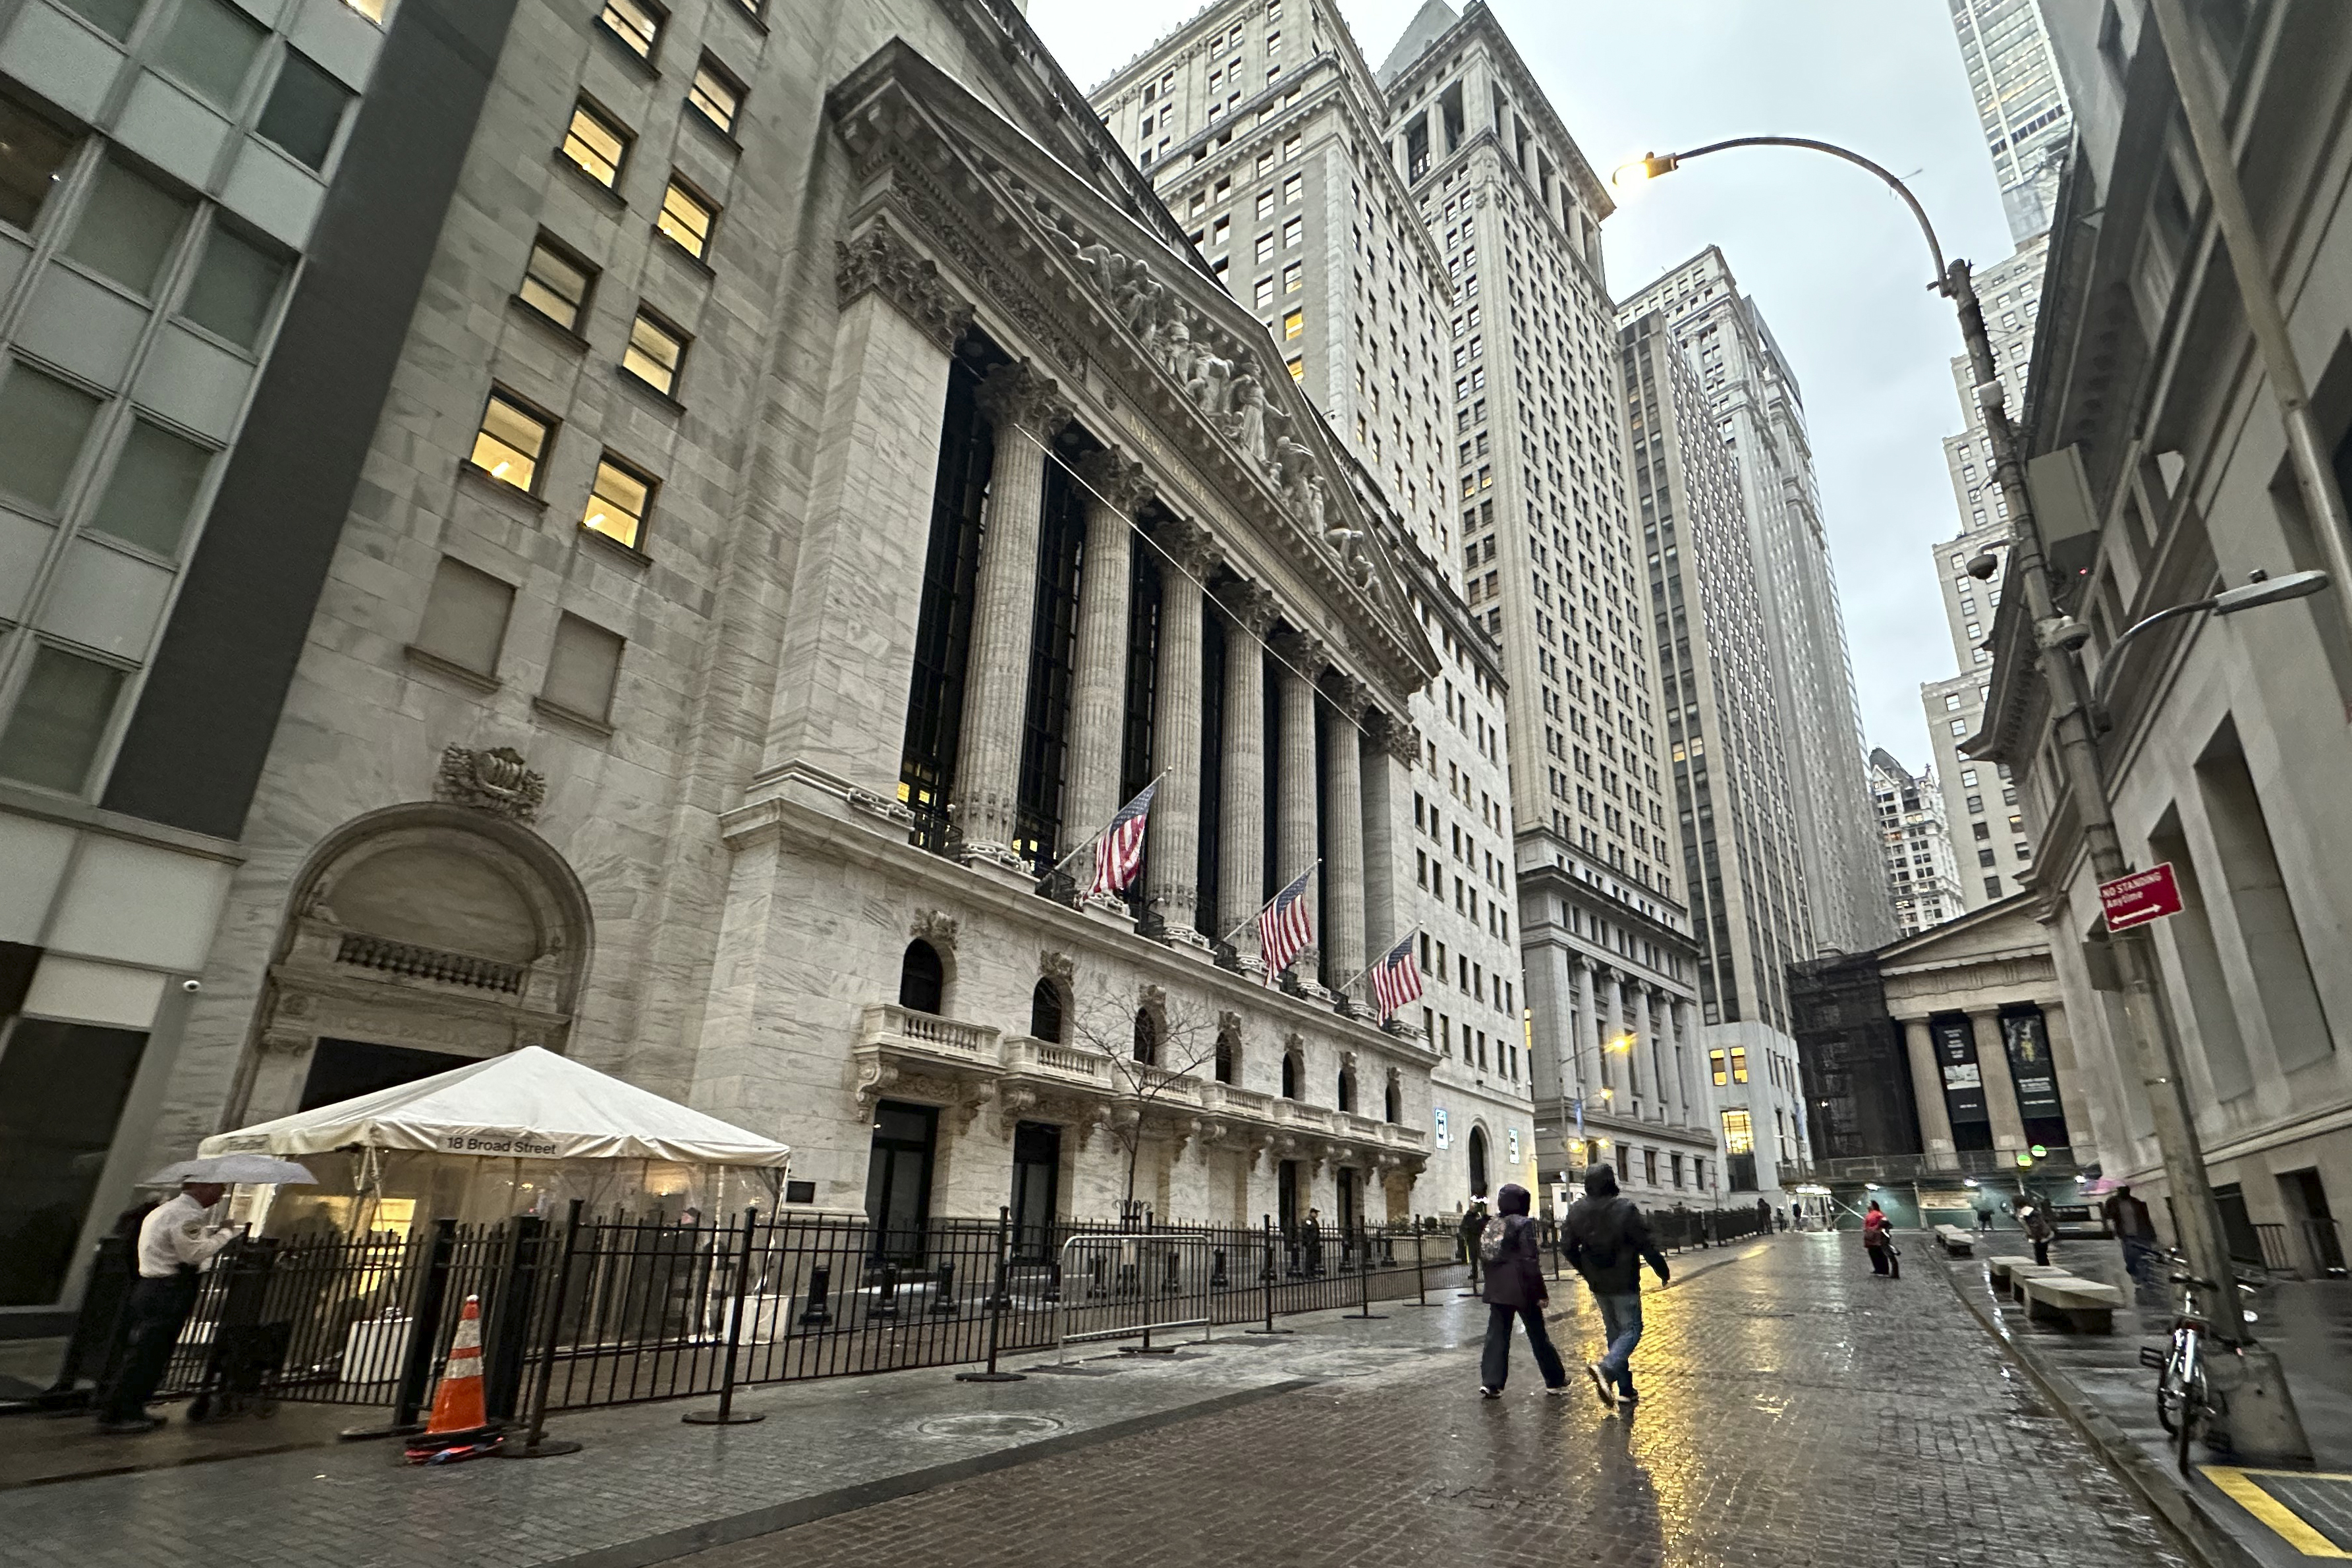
(1620, 1319)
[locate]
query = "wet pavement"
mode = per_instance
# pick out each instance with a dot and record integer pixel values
(1798, 1411)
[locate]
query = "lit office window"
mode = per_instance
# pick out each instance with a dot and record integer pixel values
(512, 443)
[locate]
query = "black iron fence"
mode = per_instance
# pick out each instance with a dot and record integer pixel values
(598, 1310)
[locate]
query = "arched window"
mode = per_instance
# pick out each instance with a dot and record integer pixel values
(1046, 1012)
(1290, 1074)
(1147, 1038)
(1392, 1102)
(1229, 1056)
(1347, 1088)
(922, 978)
(1478, 1162)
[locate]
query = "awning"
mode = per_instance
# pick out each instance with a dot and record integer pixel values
(527, 1104)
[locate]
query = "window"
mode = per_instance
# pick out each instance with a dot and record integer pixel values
(1294, 323)
(512, 443)
(465, 617)
(1297, 363)
(1952, 702)
(1959, 726)
(557, 284)
(685, 217)
(1293, 188)
(42, 423)
(656, 354)
(582, 668)
(618, 502)
(1265, 292)
(717, 94)
(154, 485)
(1714, 1061)
(235, 284)
(1265, 247)
(32, 151)
(127, 229)
(635, 24)
(115, 18)
(1293, 232)
(1293, 278)
(597, 145)
(59, 722)
(1738, 1133)
(1265, 203)
(209, 48)
(305, 110)
(1992, 887)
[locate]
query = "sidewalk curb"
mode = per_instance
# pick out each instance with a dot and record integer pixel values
(2208, 1539)
(673, 1544)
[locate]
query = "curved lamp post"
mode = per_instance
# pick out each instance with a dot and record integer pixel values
(2264, 590)
(2258, 1415)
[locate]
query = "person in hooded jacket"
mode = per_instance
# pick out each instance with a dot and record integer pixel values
(1608, 1241)
(1516, 1289)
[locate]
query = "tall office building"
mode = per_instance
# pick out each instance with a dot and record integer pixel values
(1258, 123)
(1922, 879)
(2021, 103)
(1760, 416)
(1550, 557)
(1730, 750)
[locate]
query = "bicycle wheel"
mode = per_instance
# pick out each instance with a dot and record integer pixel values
(2167, 1400)
(2193, 1415)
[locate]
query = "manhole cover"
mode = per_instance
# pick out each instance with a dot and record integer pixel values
(990, 1424)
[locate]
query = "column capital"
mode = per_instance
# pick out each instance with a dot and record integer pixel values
(1117, 483)
(879, 259)
(1397, 737)
(1248, 605)
(1185, 545)
(1306, 654)
(1350, 695)
(1016, 397)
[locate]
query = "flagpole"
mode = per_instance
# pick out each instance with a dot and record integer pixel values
(1238, 930)
(1098, 833)
(1390, 948)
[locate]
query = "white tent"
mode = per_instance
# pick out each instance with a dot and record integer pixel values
(527, 1104)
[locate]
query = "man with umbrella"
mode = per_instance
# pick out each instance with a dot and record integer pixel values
(175, 1246)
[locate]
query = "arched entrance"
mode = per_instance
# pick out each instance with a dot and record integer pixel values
(1478, 1162)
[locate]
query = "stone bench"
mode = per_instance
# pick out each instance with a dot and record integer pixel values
(2000, 1268)
(2020, 1273)
(2085, 1305)
(1956, 1242)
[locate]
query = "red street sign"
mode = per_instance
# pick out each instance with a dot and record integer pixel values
(2139, 897)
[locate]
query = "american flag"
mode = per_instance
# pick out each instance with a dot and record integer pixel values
(1396, 979)
(1284, 928)
(1119, 853)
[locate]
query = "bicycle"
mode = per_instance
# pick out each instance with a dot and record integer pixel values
(2185, 1401)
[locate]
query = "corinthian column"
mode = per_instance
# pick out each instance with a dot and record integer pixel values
(1344, 942)
(1295, 825)
(1098, 690)
(1241, 813)
(1174, 860)
(1020, 404)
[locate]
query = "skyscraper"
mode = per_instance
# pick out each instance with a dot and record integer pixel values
(2021, 103)
(1759, 414)
(1922, 880)
(1550, 560)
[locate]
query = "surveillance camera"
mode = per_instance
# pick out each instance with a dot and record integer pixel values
(2064, 632)
(192, 987)
(1983, 565)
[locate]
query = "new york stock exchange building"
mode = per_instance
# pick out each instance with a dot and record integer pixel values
(769, 556)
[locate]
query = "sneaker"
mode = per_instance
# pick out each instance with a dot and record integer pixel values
(1601, 1384)
(1555, 1388)
(1486, 1393)
(1629, 1399)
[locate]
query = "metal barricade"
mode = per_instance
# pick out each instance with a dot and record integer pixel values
(1121, 1285)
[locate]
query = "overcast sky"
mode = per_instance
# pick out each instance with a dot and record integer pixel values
(1832, 260)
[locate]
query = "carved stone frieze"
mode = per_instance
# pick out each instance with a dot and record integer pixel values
(935, 926)
(1120, 484)
(1057, 966)
(1017, 397)
(1398, 737)
(877, 259)
(497, 781)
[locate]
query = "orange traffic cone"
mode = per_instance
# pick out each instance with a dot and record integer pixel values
(459, 1427)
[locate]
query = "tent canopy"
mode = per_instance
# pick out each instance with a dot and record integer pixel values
(527, 1104)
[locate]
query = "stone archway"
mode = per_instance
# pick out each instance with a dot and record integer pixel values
(417, 937)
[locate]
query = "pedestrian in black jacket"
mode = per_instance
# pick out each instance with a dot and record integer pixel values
(1607, 1241)
(1515, 1288)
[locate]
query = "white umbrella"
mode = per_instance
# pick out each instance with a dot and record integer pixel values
(234, 1170)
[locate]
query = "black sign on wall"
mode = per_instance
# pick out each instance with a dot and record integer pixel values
(1956, 1059)
(2027, 1038)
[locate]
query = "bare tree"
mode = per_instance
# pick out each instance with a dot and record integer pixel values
(1152, 1046)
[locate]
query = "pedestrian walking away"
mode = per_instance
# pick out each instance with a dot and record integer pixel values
(2038, 1228)
(2127, 1218)
(1608, 1241)
(1473, 1226)
(1515, 1288)
(175, 1246)
(1877, 1238)
(1984, 1213)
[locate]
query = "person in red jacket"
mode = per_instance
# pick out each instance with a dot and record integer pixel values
(1877, 1235)
(1515, 1288)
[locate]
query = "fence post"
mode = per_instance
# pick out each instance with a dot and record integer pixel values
(1363, 1312)
(1420, 1275)
(726, 1415)
(536, 1444)
(423, 1337)
(996, 1304)
(1266, 1281)
(509, 1326)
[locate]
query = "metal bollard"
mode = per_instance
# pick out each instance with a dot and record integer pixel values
(885, 1305)
(943, 1300)
(816, 1314)
(1217, 1279)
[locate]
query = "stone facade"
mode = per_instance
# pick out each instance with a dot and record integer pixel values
(1922, 882)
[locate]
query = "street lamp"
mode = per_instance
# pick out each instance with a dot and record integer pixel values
(2264, 589)
(2257, 1416)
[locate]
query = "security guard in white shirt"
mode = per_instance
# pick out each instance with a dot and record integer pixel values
(176, 1245)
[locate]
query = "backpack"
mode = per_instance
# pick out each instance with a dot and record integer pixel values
(1494, 1239)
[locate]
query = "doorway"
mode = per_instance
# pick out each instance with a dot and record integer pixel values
(344, 1069)
(1286, 1192)
(2304, 1196)
(898, 1178)
(1036, 1182)
(1478, 1162)
(1351, 1201)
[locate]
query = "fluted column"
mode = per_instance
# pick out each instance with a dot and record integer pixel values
(1927, 1093)
(1587, 1026)
(1098, 687)
(1174, 860)
(1241, 813)
(1344, 803)
(1020, 404)
(1685, 1086)
(1295, 822)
